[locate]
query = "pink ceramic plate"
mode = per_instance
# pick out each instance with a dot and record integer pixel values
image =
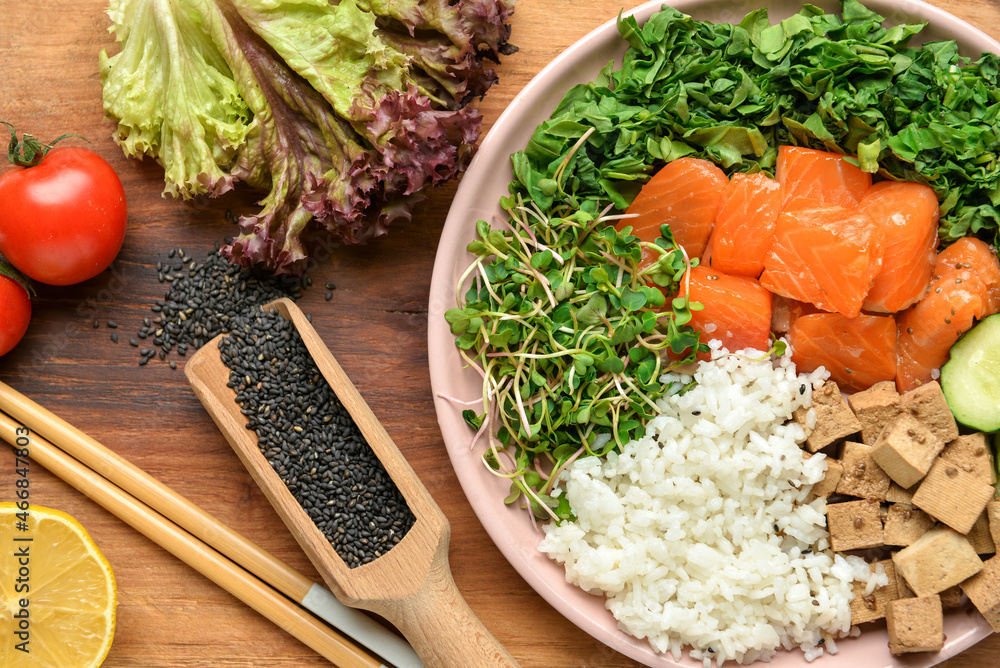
(478, 198)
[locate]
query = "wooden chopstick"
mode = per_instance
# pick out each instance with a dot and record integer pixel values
(153, 493)
(203, 525)
(216, 567)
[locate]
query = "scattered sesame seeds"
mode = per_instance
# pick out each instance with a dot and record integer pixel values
(203, 299)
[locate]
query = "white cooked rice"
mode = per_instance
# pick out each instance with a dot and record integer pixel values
(678, 531)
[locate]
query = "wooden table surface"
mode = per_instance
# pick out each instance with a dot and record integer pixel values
(168, 615)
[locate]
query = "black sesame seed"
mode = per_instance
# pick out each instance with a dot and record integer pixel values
(328, 296)
(112, 324)
(203, 298)
(114, 337)
(310, 439)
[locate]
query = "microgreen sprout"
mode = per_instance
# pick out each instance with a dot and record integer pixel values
(569, 327)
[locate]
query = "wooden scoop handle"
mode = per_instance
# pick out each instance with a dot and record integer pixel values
(443, 629)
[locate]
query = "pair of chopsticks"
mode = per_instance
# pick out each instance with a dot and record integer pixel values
(224, 556)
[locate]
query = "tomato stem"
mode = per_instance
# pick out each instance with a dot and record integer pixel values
(8, 270)
(29, 151)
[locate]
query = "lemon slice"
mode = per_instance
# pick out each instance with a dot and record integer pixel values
(70, 593)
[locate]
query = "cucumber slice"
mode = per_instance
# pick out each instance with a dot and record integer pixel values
(971, 378)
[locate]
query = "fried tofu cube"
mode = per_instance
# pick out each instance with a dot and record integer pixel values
(972, 453)
(928, 405)
(993, 516)
(951, 598)
(941, 558)
(983, 589)
(862, 477)
(834, 418)
(869, 606)
(906, 449)
(828, 485)
(897, 494)
(904, 524)
(979, 536)
(902, 589)
(952, 496)
(915, 625)
(875, 408)
(855, 525)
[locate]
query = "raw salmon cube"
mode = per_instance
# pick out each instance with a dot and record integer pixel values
(684, 194)
(821, 176)
(744, 226)
(928, 330)
(965, 287)
(908, 215)
(737, 310)
(858, 352)
(785, 311)
(977, 258)
(825, 255)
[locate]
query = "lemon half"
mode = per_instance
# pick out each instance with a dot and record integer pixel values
(70, 594)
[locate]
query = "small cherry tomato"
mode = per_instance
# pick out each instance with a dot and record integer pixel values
(62, 213)
(15, 312)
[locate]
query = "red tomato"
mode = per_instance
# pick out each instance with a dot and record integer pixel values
(15, 312)
(62, 221)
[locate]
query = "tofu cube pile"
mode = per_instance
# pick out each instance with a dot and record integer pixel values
(903, 479)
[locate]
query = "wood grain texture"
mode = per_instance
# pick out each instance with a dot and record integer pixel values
(169, 616)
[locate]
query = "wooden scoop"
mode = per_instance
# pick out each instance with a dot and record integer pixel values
(411, 585)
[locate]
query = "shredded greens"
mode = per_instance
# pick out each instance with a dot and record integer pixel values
(562, 321)
(735, 93)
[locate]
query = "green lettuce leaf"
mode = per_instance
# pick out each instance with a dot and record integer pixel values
(342, 113)
(174, 96)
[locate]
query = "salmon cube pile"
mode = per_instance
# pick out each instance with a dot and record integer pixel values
(846, 269)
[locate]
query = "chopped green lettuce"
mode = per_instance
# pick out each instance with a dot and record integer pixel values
(342, 112)
(734, 93)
